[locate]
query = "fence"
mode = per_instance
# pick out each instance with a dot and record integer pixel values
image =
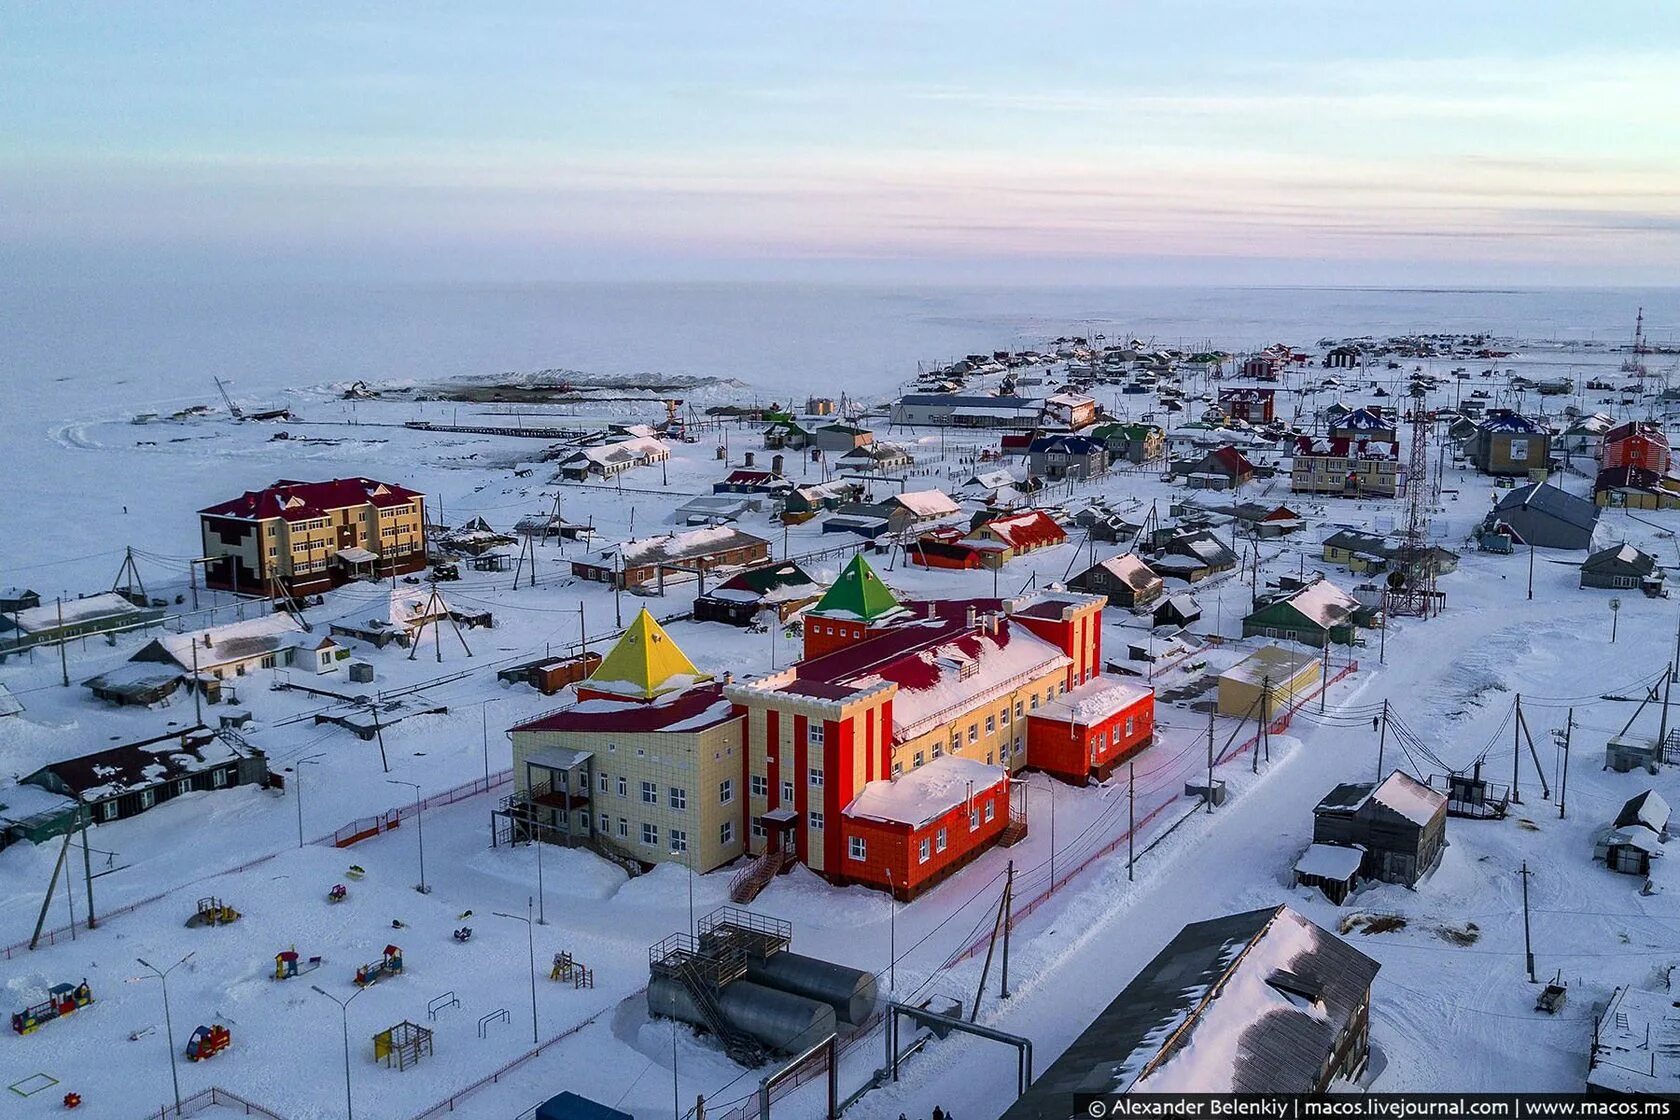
(448, 1103)
(342, 837)
(215, 1097)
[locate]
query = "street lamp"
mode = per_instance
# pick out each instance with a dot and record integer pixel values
(168, 1026)
(892, 935)
(531, 950)
(344, 1016)
(688, 861)
(484, 718)
(297, 771)
(419, 828)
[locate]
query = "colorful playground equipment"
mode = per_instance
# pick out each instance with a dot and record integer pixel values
(463, 934)
(338, 893)
(373, 973)
(207, 1042)
(72, 1099)
(212, 912)
(355, 871)
(402, 1045)
(288, 964)
(61, 1000)
(567, 968)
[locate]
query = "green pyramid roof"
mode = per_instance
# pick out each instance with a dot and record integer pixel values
(858, 592)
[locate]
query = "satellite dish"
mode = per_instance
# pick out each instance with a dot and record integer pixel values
(1396, 581)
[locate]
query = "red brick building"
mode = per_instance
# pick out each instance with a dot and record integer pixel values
(1091, 730)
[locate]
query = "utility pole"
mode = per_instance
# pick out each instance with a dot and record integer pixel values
(63, 664)
(1516, 751)
(1131, 818)
(197, 685)
(1382, 741)
(1668, 687)
(87, 866)
(1528, 943)
(1563, 785)
(1008, 918)
(1531, 570)
(1210, 764)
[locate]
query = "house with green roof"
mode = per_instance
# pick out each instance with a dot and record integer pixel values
(1134, 442)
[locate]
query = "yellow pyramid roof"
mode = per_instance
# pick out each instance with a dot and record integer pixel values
(644, 663)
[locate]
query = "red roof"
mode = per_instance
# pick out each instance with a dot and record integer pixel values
(300, 501)
(695, 709)
(1232, 460)
(1022, 531)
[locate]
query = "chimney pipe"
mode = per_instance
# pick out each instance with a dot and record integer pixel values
(971, 616)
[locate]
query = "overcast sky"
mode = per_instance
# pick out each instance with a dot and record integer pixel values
(1181, 140)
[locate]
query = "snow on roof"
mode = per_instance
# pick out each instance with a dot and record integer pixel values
(689, 710)
(926, 792)
(106, 604)
(1206, 1055)
(9, 705)
(926, 503)
(1410, 798)
(1273, 661)
(635, 449)
(683, 546)
(1130, 570)
(302, 501)
(1324, 604)
(991, 480)
(1648, 809)
(1636, 1048)
(414, 608)
(1095, 701)
(1339, 862)
(235, 641)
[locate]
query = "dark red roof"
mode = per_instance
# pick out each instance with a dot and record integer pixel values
(315, 499)
(1033, 529)
(631, 716)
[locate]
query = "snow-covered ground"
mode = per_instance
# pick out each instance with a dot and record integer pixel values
(1452, 1006)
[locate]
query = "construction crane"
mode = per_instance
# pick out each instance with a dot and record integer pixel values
(233, 409)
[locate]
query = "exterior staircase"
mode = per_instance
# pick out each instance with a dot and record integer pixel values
(611, 852)
(703, 976)
(753, 878)
(1016, 830)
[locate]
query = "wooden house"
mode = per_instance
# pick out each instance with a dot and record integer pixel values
(1295, 1027)
(651, 559)
(1128, 582)
(61, 620)
(1194, 556)
(1635, 488)
(1637, 443)
(779, 588)
(1250, 405)
(1401, 825)
(1016, 534)
(1622, 567)
(1547, 517)
(1067, 456)
(1289, 676)
(1508, 444)
(1133, 443)
(124, 781)
(841, 438)
(1318, 613)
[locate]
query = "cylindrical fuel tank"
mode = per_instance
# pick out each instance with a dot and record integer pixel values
(782, 1021)
(850, 991)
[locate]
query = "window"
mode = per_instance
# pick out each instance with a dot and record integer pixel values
(922, 852)
(973, 819)
(603, 782)
(183, 786)
(787, 791)
(107, 810)
(956, 741)
(1018, 712)
(726, 833)
(760, 785)
(814, 734)
(974, 732)
(1018, 745)
(939, 840)
(1003, 715)
(917, 761)
(989, 758)
(817, 821)
(1035, 701)
(759, 831)
(991, 724)
(218, 779)
(726, 791)
(650, 794)
(898, 768)
(939, 751)
(816, 777)
(606, 824)
(623, 828)
(679, 840)
(989, 813)
(148, 798)
(623, 786)
(857, 848)
(650, 834)
(1129, 725)
(678, 797)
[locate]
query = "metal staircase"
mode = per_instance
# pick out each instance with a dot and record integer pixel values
(703, 977)
(753, 878)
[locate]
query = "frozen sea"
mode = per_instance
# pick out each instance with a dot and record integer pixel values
(75, 356)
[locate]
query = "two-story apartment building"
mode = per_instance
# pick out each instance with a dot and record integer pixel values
(1346, 466)
(304, 537)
